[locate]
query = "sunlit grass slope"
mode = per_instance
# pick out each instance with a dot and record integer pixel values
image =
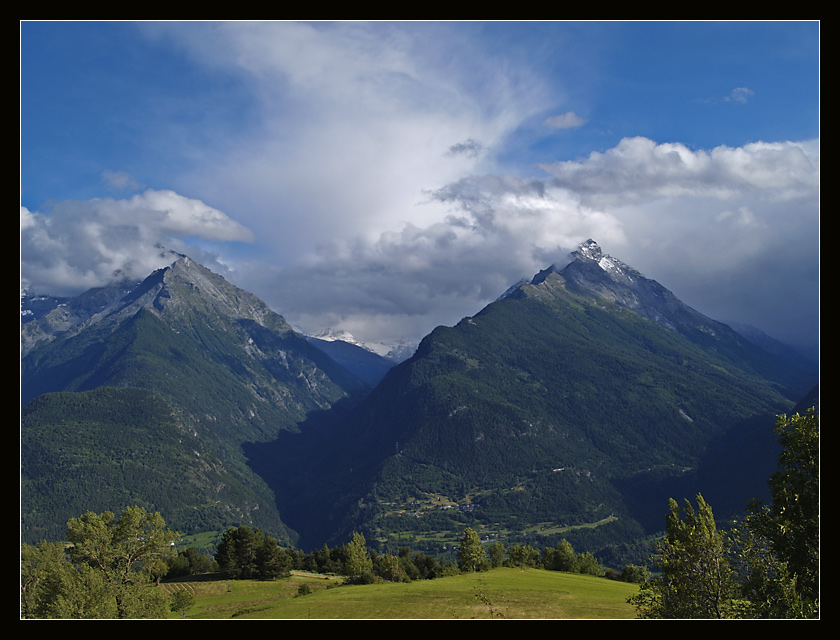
(504, 593)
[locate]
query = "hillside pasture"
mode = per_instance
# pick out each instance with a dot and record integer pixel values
(504, 593)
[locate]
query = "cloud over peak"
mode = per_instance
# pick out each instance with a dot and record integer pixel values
(77, 245)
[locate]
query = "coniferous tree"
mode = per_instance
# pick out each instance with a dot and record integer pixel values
(236, 553)
(246, 553)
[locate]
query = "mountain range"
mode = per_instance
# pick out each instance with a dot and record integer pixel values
(585, 396)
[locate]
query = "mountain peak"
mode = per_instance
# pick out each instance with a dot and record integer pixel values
(189, 269)
(618, 271)
(185, 282)
(597, 275)
(584, 258)
(589, 250)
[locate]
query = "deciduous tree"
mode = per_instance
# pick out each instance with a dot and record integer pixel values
(560, 558)
(523, 556)
(780, 542)
(181, 601)
(357, 560)
(496, 553)
(696, 579)
(126, 553)
(470, 552)
(51, 587)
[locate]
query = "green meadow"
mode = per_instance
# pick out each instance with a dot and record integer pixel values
(503, 593)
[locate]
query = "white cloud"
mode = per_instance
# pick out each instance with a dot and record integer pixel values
(732, 231)
(639, 169)
(740, 95)
(717, 227)
(356, 121)
(166, 212)
(78, 245)
(404, 282)
(120, 182)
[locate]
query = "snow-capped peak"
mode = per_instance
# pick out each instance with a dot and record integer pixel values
(396, 351)
(590, 250)
(331, 335)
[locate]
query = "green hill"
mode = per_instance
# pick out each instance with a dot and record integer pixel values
(503, 593)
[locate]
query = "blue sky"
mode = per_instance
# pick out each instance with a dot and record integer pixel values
(388, 177)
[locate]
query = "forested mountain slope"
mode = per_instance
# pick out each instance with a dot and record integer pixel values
(222, 366)
(587, 393)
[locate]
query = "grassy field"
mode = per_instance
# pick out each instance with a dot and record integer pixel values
(504, 593)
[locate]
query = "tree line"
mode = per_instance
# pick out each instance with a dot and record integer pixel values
(473, 556)
(110, 565)
(244, 552)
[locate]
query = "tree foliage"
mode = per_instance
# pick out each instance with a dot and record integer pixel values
(470, 552)
(767, 566)
(129, 552)
(189, 562)
(357, 560)
(496, 554)
(51, 587)
(560, 558)
(245, 553)
(780, 542)
(128, 549)
(181, 601)
(107, 570)
(523, 556)
(697, 580)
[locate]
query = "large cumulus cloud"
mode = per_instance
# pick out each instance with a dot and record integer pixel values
(733, 231)
(355, 121)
